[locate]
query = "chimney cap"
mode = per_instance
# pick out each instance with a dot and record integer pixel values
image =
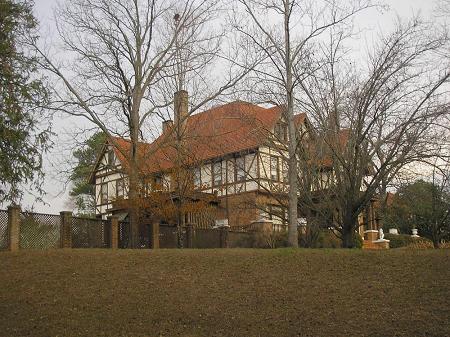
(179, 92)
(166, 125)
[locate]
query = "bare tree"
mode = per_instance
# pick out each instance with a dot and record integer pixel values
(442, 8)
(374, 122)
(283, 31)
(123, 65)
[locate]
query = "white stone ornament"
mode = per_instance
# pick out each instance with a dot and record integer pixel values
(381, 234)
(381, 239)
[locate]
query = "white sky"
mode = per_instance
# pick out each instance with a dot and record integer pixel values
(57, 197)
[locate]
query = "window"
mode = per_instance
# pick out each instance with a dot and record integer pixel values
(120, 187)
(111, 158)
(280, 132)
(104, 193)
(276, 131)
(157, 182)
(206, 176)
(230, 171)
(250, 166)
(325, 179)
(274, 174)
(240, 169)
(197, 177)
(285, 171)
(217, 173)
(148, 188)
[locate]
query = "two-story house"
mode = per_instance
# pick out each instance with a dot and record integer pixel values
(235, 152)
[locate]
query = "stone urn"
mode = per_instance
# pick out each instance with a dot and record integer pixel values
(415, 233)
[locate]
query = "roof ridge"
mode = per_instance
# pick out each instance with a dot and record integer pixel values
(216, 107)
(128, 140)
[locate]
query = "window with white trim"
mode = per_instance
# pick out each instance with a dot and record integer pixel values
(240, 169)
(158, 182)
(120, 187)
(274, 172)
(281, 132)
(104, 193)
(285, 170)
(230, 171)
(111, 157)
(217, 173)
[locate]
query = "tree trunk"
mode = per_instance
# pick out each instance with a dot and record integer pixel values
(134, 193)
(435, 236)
(292, 142)
(436, 243)
(133, 208)
(293, 187)
(347, 239)
(349, 227)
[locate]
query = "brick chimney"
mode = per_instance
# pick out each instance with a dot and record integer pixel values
(181, 108)
(166, 125)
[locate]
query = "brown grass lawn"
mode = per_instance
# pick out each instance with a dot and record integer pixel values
(229, 292)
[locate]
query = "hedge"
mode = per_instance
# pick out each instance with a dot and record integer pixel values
(405, 240)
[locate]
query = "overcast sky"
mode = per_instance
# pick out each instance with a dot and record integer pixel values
(56, 198)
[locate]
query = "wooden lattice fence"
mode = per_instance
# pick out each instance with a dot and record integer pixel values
(124, 234)
(90, 233)
(168, 237)
(206, 238)
(39, 230)
(27, 230)
(240, 238)
(3, 229)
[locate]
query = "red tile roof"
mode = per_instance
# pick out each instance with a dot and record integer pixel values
(222, 130)
(122, 149)
(321, 153)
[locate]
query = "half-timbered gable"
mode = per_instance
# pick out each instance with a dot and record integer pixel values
(109, 180)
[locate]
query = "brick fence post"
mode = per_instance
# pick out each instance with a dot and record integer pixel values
(13, 227)
(114, 239)
(223, 237)
(189, 235)
(66, 229)
(154, 235)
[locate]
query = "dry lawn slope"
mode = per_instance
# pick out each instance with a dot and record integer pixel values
(229, 292)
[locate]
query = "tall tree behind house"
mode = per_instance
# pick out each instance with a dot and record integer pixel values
(124, 62)
(391, 112)
(286, 41)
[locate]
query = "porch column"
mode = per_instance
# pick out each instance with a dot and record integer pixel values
(13, 227)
